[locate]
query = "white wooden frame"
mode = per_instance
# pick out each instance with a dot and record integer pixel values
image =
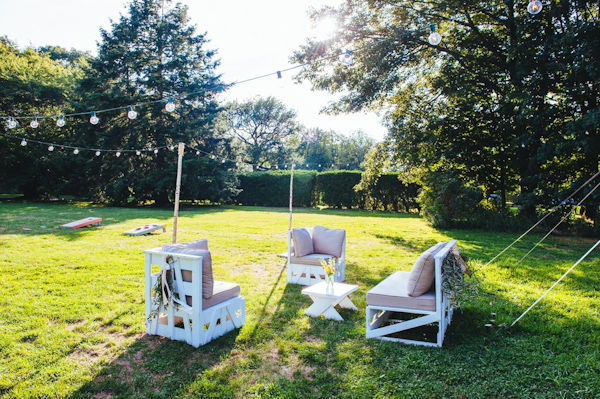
(377, 317)
(299, 273)
(202, 325)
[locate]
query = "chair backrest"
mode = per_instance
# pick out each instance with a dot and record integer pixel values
(439, 277)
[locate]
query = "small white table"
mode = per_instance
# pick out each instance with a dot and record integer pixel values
(325, 299)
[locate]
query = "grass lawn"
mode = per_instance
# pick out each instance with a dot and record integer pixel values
(72, 312)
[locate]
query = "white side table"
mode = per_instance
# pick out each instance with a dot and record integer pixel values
(325, 299)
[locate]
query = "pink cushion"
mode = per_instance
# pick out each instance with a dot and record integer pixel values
(302, 241)
(207, 274)
(422, 274)
(328, 241)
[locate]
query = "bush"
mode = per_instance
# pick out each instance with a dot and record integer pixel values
(336, 188)
(273, 188)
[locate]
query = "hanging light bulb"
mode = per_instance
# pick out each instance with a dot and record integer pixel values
(131, 114)
(156, 150)
(118, 154)
(23, 142)
(94, 119)
(60, 122)
(434, 37)
(97, 153)
(212, 156)
(34, 123)
(280, 81)
(170, 107)
(534, 7)
(223, 161)
(197, 152)
(346, 58)
(50, 148)
(12, 123)
(171, 147)
(138, 152)
(76, 151)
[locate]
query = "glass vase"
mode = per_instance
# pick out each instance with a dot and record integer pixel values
(329, 282)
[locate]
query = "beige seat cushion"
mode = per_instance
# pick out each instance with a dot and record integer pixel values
(207, 273)
(422, 274)
(328, 241)
(302, 242)
(393, 292)
(222, 292)
(312, 259)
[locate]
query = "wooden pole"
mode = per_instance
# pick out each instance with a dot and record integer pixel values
(291, 194)
(177, 189)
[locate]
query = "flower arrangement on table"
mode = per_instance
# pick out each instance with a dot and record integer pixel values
(330, 270)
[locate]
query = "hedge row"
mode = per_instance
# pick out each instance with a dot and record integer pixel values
(334, 189)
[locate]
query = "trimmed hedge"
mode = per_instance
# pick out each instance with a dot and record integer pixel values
(334, 189)
(273, 188)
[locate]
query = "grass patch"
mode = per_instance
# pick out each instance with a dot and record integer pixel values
(72, 312)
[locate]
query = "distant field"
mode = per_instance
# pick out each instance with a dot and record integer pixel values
(72, 312)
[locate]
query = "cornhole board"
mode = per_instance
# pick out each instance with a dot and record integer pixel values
(81, 223)
(148, 228)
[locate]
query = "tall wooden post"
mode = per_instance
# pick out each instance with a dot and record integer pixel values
(291, 194)
(177, 190)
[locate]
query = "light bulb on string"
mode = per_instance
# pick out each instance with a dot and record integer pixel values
(118, 154)
(156, 150)
(171, 147)
(131, 114)
(434, 37)
(50, 148)
(94, 119)
(12, 123)
(534, 7)
(23, 142)
(223, 161)
(60, 122)
(212, 157)
(97, 153)
(34, 123)
(138, 152)
(197, 152)
(346, 58)
(76, 151)
(280, 81)
(170, 107)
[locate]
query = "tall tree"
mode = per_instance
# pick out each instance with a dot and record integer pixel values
(262, 126)
(149, 56)
(502, 99)
(34, 85)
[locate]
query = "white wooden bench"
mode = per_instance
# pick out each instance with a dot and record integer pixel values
(391, 310)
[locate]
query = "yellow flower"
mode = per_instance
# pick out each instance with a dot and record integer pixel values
(328, 266)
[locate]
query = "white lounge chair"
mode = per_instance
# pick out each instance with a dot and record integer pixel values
(307, 246)
(209, 308)
(391, 303)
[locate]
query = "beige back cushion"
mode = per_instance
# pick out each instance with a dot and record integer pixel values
(422, 274)
(207, 274)
(198, 244)
(328, 241)
(302, 241)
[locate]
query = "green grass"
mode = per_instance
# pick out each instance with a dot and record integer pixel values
(72, 312)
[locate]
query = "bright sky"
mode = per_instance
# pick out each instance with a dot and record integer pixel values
(253, 38)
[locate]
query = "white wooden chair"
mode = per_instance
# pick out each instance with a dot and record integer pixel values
(307, 269)
(388, 306)
(202, 320)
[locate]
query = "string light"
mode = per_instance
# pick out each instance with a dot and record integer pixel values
(94, 119)
(12, 123)
(434, 37)
(118, 154)
(50, 148)
(97, 153)
(34, 123)
(534, 7)
(170, 107)
(76, 151)
(171, 147)
(346, 58)
(156, 150)
(138, 152)
(197, 152)
(131, 114)
(23, 142)
(60, 122)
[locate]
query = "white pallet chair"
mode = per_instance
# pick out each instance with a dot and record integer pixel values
(199, 324)
(307, 270)
(433, 307)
